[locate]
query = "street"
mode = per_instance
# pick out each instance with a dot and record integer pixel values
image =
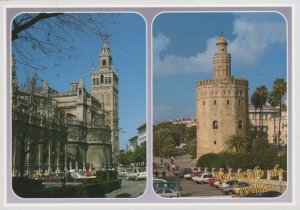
(129, 189)
(187, 188)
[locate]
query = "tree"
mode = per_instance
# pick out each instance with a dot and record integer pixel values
(279, 89)
(274, 102)
(261, 96)
(139, 154)
(238, 143)
(192, 148)
(255, 102)
(49, 34)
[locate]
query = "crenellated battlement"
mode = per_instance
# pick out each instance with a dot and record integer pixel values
(231, 80)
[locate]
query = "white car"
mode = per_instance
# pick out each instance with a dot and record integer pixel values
(203, 178)
(167, 193)
(136, 174)
(187, 176)
(122, 171)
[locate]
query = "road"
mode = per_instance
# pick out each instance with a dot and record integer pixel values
(129, 189)
(187, 188)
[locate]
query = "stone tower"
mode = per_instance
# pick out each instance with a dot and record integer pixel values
(104, 87)
(222, 104)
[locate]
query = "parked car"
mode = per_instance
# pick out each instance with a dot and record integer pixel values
(167, 193)
(122, 171)
(203, 178)
(212, 180)
(192, 174)
(184, 171)
(136, 174)
(227, 183)
(228, 190)
(233, 188)
(265, 194)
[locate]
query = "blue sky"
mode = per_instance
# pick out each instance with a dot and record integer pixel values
(184, 45)
(127, 43)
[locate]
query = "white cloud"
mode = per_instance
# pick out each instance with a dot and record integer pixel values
(252, 37)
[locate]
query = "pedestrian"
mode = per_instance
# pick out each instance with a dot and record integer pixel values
(156, 173)
(164, 174)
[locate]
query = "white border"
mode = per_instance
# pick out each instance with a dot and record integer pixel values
(231, 3)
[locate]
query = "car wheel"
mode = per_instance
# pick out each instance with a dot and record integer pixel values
(202, 182)
(230, 193)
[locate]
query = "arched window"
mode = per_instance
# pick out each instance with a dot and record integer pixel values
(203, 103)
(94, 81)
(104, 63)
(215, 124)
(227, 102)
(240, 124)
(215, 102)
(101, 79)
(97, 81)
(109, 80)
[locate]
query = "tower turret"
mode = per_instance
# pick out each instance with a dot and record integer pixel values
(222, 60)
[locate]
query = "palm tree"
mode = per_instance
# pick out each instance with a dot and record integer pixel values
(262, 94)
(255, 102)
(237, 143)
(279, 88)
(274, 102)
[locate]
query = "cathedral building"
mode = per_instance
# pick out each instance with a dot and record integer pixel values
(55, 131)
(222, 104)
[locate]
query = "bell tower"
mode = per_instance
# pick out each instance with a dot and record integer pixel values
(105, 88)
(222, 60)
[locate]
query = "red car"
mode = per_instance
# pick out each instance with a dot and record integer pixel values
(212, 181)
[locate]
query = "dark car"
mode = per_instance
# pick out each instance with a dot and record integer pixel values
(265, 194)
(184, 171)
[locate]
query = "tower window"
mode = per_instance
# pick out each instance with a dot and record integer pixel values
(239, 102)
(215, 142)
(101, 79)
(94, 81)
(203, 103)
(240, 124)
(215, 102)
(106, 80)
(109, 80)
(215, 124)
(97, 81)
(227, 102)
(104, 63)
(80, 92)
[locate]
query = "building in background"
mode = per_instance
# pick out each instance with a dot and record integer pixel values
(222, 104)
(270, 123)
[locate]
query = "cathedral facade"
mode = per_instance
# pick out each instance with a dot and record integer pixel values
(55, 131)
(221, 104)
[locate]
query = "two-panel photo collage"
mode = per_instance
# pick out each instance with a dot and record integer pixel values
(182, 106)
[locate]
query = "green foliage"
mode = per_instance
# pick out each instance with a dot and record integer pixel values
(192, 148)
(167, 135)
(139, 154)
(126, 158)
(260, 153)
(136, 156)
(207, 160)
(238, 143)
